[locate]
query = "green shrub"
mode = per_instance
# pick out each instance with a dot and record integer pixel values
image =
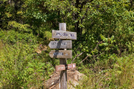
(22, 67)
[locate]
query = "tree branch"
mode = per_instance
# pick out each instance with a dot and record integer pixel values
(131, 1)
(77, 56)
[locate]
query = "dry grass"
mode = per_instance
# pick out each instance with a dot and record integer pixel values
(121, 76)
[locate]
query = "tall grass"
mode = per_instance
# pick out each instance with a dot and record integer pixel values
(119, 76)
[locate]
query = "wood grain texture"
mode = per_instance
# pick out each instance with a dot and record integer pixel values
(60, 54)
(61, 44)
(71, 66)
(64, 35)
(64, 67)
(63, 74)
(60, 68)
(62, 26)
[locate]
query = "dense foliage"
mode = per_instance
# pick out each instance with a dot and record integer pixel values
(105, 29)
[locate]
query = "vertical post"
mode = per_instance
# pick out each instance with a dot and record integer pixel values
(63, 75)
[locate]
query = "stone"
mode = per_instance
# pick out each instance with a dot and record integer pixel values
(73, 79)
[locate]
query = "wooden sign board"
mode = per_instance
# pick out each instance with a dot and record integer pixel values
(62, 67)
(60, 54)
(64, 35)
(62, 44)
(71, 66)
(59, 68)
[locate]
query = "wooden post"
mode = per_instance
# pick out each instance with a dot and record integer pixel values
(63, 75)
(62, 34)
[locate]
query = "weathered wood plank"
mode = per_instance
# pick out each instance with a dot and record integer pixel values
(62, 26)
(64, 35)
(71, 66)
(63, 74)
(60, 68)
(63, 67)
(61, 44)
(60, 54)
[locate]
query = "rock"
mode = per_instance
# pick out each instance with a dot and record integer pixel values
(73, 79)
(41, 48)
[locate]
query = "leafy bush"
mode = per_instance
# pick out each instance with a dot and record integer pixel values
(22, 67)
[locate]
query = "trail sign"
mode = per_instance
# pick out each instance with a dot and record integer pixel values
(64, 35)
(63, 67)
(60, 54)
(61, 44)
(60, 68)
(71, 66)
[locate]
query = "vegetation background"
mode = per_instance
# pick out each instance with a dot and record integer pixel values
(103, 50)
